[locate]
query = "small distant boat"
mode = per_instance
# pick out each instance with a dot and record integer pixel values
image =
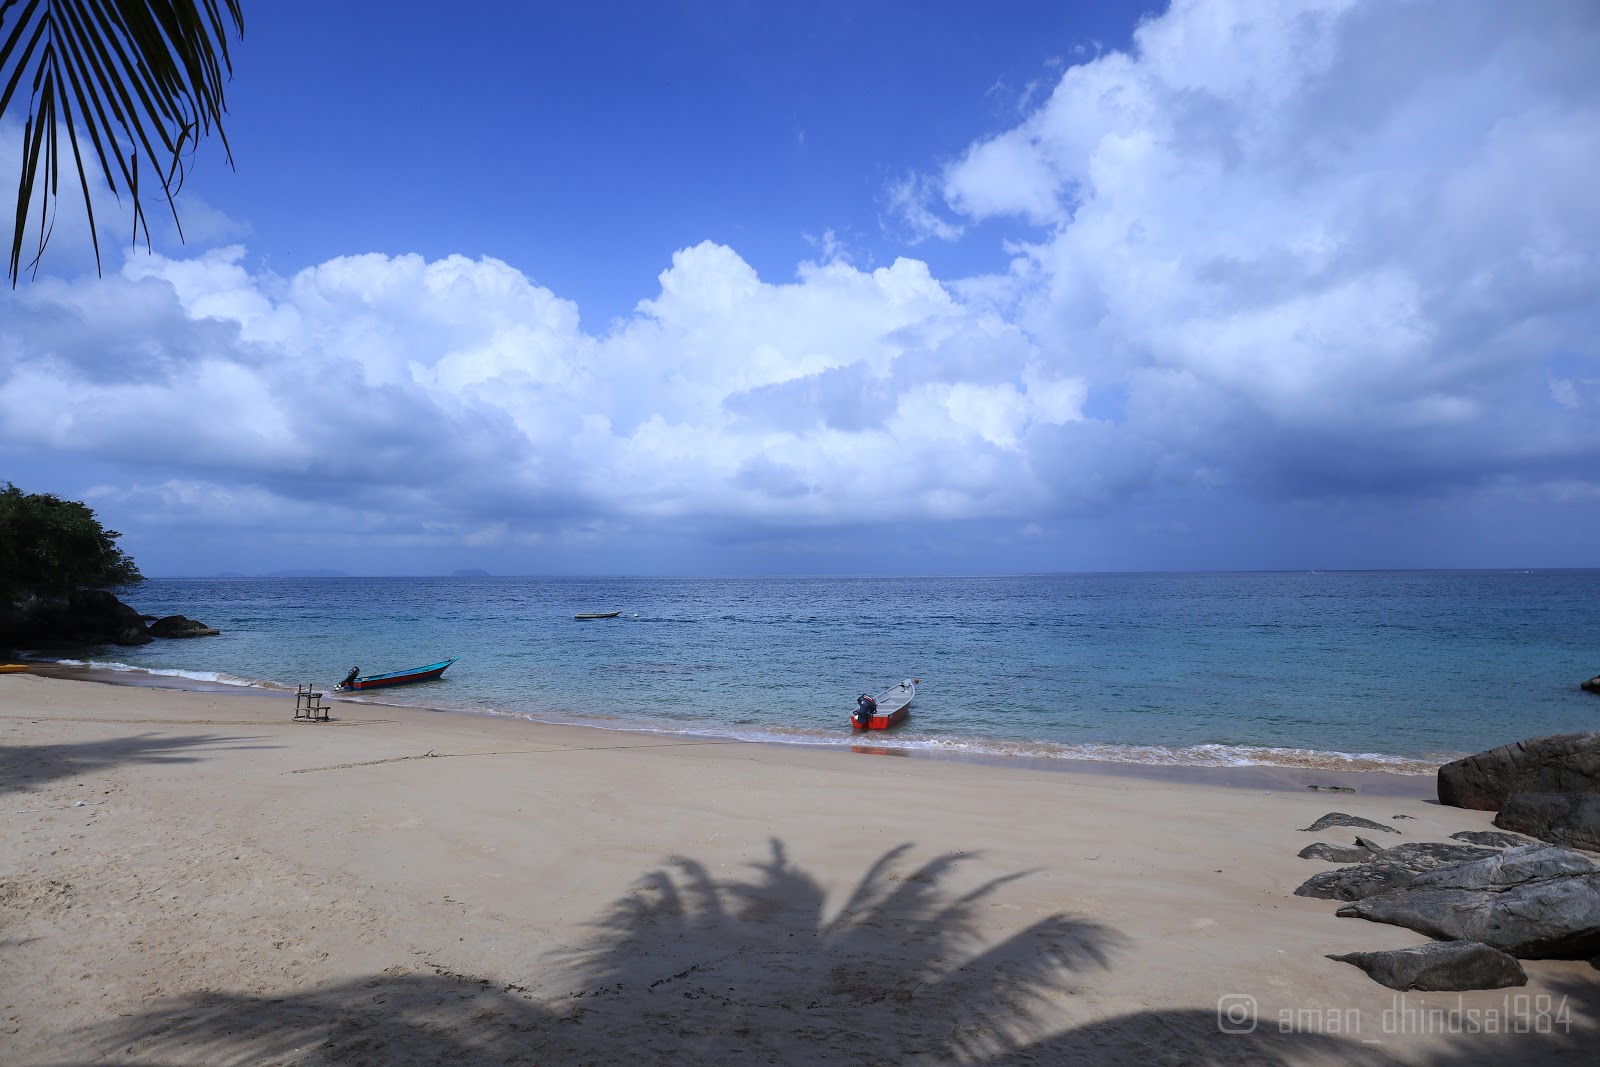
(12, 668)
(886, 709)
(378, 681)
(597, 614)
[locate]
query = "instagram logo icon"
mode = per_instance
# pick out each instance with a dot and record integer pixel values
(1236, 1013)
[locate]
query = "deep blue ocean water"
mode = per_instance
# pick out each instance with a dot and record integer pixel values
(1276, 668)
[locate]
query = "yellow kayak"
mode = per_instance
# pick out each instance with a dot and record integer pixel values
(12, 668)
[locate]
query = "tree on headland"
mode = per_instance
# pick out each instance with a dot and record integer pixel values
(137, 77)
(53, 547)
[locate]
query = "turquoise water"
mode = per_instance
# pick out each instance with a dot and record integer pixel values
(1274, 668)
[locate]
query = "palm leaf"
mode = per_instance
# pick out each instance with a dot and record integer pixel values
(139, 77)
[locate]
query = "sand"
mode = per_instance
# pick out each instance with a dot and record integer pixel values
(195, 878)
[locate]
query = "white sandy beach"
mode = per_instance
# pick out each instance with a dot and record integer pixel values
(194, 878)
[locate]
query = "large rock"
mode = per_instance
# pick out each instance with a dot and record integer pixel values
(1440, 965)
(180, 626)
(86, 617)
(1389, 869)
(1560, 763)
(1592, 685)
(94, 616)
(1535, 902)
(1571, 819)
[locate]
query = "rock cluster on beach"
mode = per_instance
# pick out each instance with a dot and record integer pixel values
(1388, 869)
(87, 617)
(1545, 787)
(1561, 763)
(1561, 818)
(1534, 902)
(1493, 897)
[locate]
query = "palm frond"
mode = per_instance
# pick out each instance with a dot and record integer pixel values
(139, 77)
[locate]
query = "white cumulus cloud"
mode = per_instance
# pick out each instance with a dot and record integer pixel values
(1304, 250)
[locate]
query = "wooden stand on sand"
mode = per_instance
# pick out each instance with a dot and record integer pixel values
(308, 705)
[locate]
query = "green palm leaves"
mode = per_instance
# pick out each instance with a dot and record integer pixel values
(136, 77)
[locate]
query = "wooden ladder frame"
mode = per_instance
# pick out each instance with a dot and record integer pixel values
(308, 704)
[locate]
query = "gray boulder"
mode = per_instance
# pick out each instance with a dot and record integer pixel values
(1535, 902)
(1492, 838)
(1571, 819)
(94, 616)
(1440, 965)
(1389, 869)
(84, 617)
(1360, 852)
(1560, 763)
(1339, 818)
(181, 626)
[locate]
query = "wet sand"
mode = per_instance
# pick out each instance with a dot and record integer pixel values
(194, 877)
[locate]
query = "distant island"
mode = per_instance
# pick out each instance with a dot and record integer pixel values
(470, 572)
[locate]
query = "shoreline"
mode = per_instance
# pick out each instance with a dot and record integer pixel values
(1334, 779)
(193, 877)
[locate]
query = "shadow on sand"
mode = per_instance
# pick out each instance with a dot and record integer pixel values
(687, 968)
(25, 767)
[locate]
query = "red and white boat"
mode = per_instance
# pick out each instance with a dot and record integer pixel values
(886, 709)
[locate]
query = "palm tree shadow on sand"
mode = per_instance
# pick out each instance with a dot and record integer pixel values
(27, 767)
(686, 968)
(759, 969)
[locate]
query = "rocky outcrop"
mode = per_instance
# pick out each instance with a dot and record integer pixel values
(1592, 685)
(1571, 819)
(1389, 869)
(1534, 902)
(1560, 763)
(86, 617)
(1442, 965)
(181, 626)
(1339, 818)
(95, 613)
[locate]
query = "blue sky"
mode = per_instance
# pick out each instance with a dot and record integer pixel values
(583, 143)
(933, 287)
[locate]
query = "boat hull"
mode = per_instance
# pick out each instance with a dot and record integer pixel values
(894, 705)
(882, 722)
(597, 614)
(393, 678)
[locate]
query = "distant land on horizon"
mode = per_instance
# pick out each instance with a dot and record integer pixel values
(478, 572)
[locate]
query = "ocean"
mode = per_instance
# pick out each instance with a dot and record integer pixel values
(1356, 670)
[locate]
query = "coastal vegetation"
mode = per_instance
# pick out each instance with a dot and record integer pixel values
(50, 546)
(130, 78)
(57, 567)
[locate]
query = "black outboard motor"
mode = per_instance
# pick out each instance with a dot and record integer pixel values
(350, 679)
(866, 708)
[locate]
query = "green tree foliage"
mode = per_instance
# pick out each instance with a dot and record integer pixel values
(50, 545)
(135, 77)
